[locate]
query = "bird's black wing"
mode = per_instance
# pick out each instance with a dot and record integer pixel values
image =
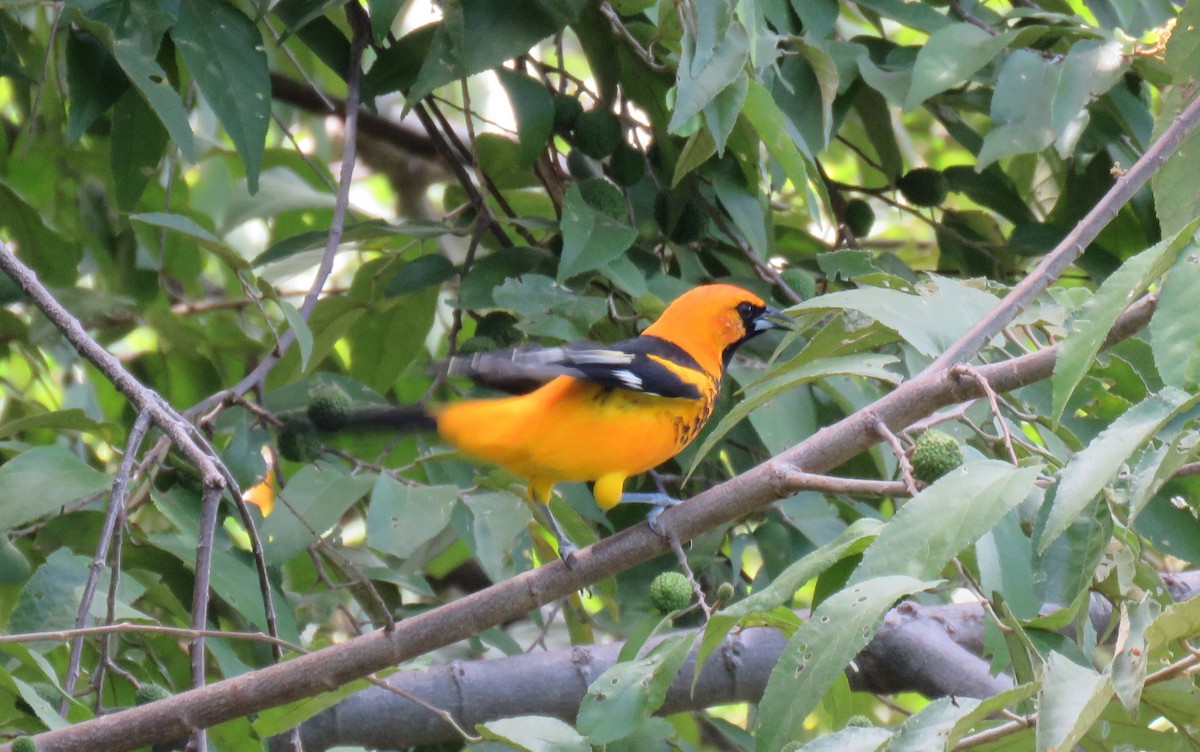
(635, 364)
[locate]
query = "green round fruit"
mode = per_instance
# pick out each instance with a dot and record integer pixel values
(800, 280)
(597, 133)
(627, 165)
(725, 592)
(567, 110)
(24, 744)
(670, 591)
(580, 166)
(924, 186)
(860, 721)
(298, 439)
(604, 197)
(682, 219)
(935, 454)
(150, 692)
(330, 408)
(859, 217)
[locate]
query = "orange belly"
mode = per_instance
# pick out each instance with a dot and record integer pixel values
(570, 430)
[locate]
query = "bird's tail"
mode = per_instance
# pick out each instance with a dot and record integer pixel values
(405, 418)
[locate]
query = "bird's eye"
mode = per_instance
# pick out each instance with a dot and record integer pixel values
(745, 309)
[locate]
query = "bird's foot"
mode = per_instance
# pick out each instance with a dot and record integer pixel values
(659, 503)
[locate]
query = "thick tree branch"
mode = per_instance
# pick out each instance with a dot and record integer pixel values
(934, 650)
(332, 667)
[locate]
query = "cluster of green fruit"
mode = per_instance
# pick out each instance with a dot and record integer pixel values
(923, 186)
(329, 410)
(596, 136)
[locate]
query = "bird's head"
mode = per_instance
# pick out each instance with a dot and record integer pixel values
(712, 321)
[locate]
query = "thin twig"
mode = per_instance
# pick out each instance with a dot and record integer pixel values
(964, 369)
(111, 529)
(906, 469)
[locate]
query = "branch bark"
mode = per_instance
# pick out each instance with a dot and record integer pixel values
(934, 650)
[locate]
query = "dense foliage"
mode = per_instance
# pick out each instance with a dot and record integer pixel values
(543, 172)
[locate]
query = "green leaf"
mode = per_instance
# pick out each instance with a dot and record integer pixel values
(37, 482)
(929, 727)
(818, 653)
(135, 47)
(705, 73)
(14, 567)
(764, 115)
(421, 272)
(1175, 328)
(783, 588)
(751, 218)
(1091, 68)
(868, 365)
(1098, 463)
(850, 739)
(949, 58)
(315, 498)
(1022, 107)
(1093, 320)
(50, 254)
(949, 515)
(1071, 700)
(1177, 620)
(534, 733)
(627, 693)
(188, 226)
(498, 520)
(45, 712)
(94, 80)
(385, 342)
(304, 337)
(50, 599)
(534, 108)
(477, 35)
(73, 419)
(402, 518)
(383, 15)
(986, 708)
(721, 114)
(930, 322)
(1128, 665)
(277, 720)
(591, 239)
(138, 143)
(224, 52)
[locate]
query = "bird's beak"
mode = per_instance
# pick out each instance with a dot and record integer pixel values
(773, 319)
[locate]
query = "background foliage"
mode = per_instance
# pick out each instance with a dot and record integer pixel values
(170, 169)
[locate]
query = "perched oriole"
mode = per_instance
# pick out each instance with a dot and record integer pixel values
(603, 413)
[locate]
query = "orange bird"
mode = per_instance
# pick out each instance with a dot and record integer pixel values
(604, 413)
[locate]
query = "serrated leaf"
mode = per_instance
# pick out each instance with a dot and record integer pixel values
(37, 482)
(1093, 320)
(949, 515)
(866, 365)
(819, 651)
(627, 693)
(1100, 461)
(770, 124)
(223, 50)
(50, 599)
(1071, 700)
(1175, 328)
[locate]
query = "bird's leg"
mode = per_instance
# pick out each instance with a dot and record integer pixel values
(658, 500)
(566, 548)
